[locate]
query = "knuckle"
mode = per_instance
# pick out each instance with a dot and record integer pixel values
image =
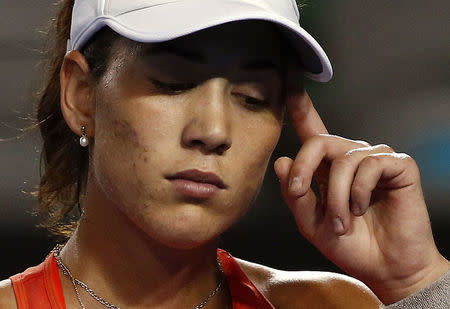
(295, 172)
(408, 159)
(372, 160)
(355, 151)
(318, 139)
(341, 162)
(300, 172)
(404, 156)
(410, 165)
(362, 144)
(318, 142)
(383, 148)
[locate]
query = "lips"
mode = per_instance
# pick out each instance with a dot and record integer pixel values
(199, 176)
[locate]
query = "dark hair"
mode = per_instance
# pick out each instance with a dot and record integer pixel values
(64, 164)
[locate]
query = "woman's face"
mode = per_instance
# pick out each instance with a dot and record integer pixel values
(210, 101)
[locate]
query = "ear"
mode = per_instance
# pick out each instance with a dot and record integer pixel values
(77, 104)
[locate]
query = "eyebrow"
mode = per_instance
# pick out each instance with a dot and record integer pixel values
(258, 64)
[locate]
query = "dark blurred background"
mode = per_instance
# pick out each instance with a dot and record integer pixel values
(391, 85)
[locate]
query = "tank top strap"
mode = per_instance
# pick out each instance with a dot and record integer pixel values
(244, 293)
(39, 286)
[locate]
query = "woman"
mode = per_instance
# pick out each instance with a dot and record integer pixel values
(179, 106)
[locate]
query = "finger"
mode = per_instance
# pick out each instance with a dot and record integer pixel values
(342, 173)
(341, 176)
(372, 170)
(282, 167)
(312, 153)
(306, 211)
(306, 120)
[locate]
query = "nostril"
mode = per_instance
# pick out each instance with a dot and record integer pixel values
(196, 142)
(209, 147)
(206, 137)
(223, 147)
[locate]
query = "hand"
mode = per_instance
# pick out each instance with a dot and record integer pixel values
(371, 219)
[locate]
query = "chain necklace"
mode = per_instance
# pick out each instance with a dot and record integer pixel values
(75, 282)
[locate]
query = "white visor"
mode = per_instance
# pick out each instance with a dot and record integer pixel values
(152, 21)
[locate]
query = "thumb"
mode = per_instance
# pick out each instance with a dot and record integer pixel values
(282, 167)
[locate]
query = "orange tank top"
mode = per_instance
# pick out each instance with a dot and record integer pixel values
(40, 286)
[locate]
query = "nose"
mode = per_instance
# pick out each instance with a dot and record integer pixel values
(208, 126)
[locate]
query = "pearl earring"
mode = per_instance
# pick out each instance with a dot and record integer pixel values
(84, 141)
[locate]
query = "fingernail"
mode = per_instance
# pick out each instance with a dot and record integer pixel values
(295, 185)
(338, 225)
(356, 209)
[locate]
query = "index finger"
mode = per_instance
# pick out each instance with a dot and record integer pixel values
(306, 120)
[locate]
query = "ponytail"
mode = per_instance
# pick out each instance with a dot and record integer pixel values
(64, 164)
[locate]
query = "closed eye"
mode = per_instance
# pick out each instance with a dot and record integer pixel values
(254, 102)
(172, 87)
(176, 88)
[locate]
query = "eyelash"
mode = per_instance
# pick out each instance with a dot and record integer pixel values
(180, 87)
(173, 88)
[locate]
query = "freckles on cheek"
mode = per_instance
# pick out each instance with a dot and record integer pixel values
(128, 137)
(120, 148)
(122, 130)
(119, 166)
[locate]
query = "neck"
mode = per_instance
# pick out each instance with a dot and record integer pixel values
(129, 269)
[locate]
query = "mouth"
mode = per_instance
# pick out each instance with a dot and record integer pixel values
(197, 184)
(200, 177)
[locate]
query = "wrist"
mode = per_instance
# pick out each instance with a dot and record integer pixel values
(394, 291)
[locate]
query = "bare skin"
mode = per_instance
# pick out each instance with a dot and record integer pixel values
(140, 133)
(285, 290)
(376, 196)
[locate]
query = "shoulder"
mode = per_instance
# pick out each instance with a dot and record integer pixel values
(309, 289)
(7, 298)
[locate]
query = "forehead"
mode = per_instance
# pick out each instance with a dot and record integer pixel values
(228, 42)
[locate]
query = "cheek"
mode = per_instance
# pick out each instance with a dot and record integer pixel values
(254, 151)
(116, 147)
(131, 136)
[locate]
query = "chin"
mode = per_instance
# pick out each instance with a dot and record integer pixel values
(187, 238)
(180, 230)
(190, 243)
